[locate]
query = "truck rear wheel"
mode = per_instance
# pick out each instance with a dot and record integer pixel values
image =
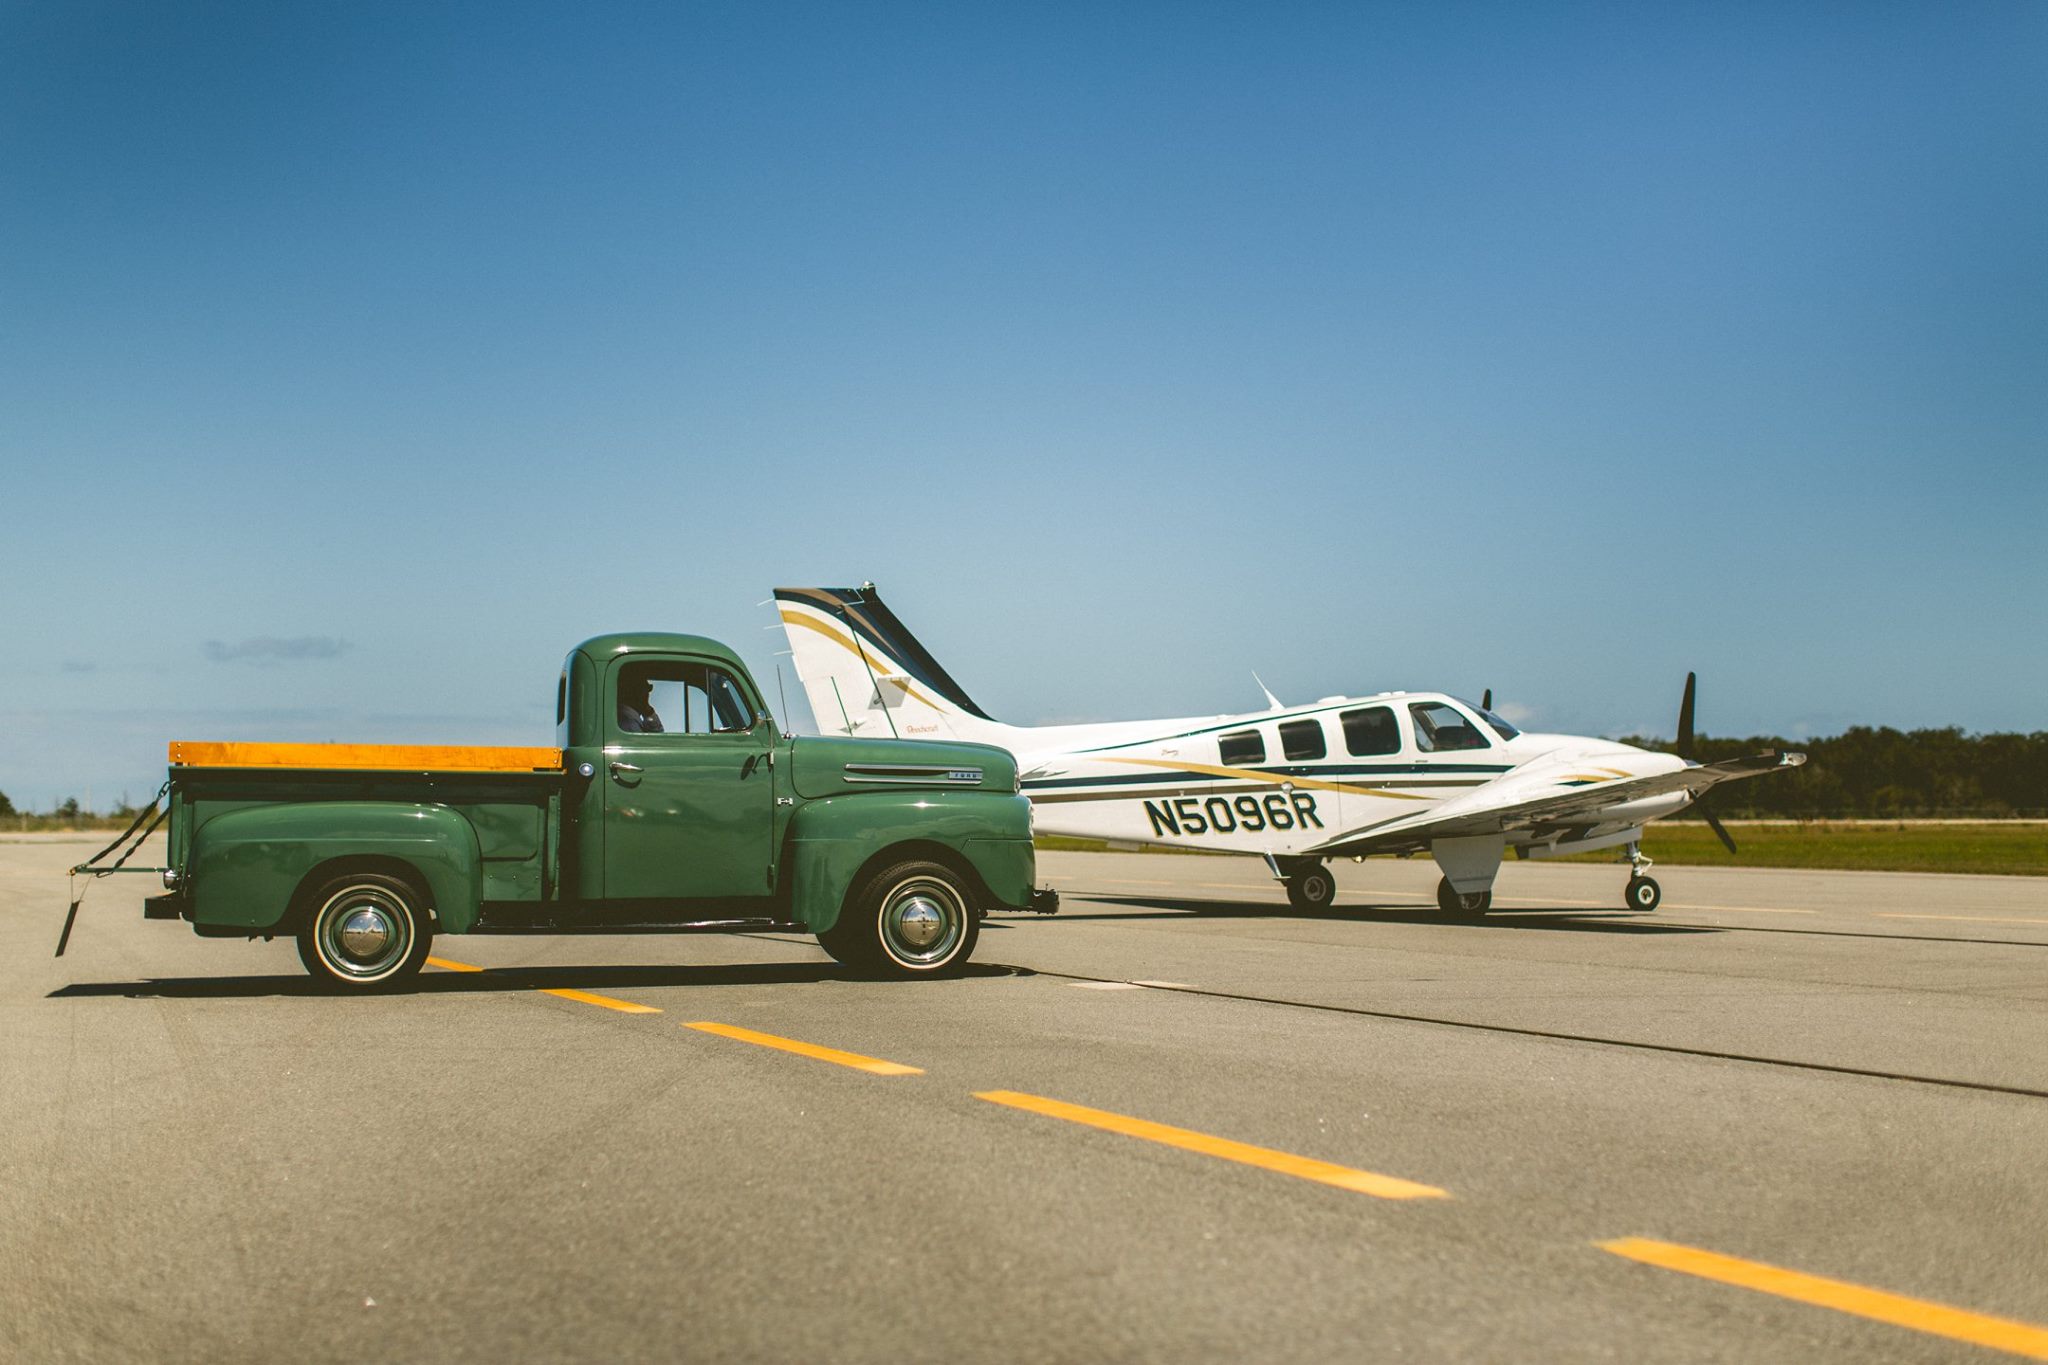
(365, 931)
(908, 919)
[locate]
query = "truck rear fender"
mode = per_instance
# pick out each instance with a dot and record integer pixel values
(834, 843)
(253, 868)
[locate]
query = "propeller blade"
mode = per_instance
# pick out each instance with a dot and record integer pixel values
(1720, 830)
(1486, 700)
(1684, 745)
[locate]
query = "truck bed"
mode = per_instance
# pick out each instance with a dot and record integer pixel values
(511, 797)
(390, 758)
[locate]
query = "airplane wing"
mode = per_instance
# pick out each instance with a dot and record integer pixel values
(1537, 800)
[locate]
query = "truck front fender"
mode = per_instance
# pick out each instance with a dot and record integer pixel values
(831, 840)
(248, 864)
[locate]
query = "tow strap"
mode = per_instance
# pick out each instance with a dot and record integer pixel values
(91, 873)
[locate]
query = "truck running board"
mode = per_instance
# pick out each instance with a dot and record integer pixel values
(509, 925)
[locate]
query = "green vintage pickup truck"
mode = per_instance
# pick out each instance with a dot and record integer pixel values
(670, 801)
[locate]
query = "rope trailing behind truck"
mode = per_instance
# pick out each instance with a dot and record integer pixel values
(92, 874)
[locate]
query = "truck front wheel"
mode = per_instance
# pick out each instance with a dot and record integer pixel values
(908, 919)
(365, 931)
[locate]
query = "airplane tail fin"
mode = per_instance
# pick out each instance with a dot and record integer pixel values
(866, 674)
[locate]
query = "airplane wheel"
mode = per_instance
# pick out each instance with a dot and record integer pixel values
(1451, 903)
(1643, 894)
(1312, 888)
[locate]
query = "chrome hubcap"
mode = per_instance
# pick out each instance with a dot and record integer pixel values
(363, 932)
(923, 921)
(920, 923)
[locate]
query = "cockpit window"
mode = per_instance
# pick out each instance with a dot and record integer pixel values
(1440, 728)
(1500, 727)
(1241, 747)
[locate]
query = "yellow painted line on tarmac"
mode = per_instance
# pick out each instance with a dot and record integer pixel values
(581, 997)
(1936, 1319)
(1964, 919)
(586, 998)
(1286, 1163)
(872, 1065)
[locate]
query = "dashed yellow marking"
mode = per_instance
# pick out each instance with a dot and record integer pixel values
(872, 1065)
(1957, 1324)
(1286, 1163)
(581, 997)
(586, 998)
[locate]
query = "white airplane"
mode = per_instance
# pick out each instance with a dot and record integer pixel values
(1396, 772)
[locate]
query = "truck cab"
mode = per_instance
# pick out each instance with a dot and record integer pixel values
(671, 799)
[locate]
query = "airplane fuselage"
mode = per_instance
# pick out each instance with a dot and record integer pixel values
(1303, 780)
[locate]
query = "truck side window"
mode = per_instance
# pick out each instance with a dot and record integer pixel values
(715, 705)
(651, 698)
(676, 698)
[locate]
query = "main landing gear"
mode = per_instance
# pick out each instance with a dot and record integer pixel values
(1642, 893)
(1473, 903)
(1309, 883)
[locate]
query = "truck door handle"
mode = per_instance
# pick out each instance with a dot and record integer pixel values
(618, 768)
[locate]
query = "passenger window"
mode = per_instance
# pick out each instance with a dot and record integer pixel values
(1300, 739)
(1443, 729)
(1371, 732)
(1242, 746)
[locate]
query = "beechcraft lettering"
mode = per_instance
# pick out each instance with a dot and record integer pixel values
(1395, 772)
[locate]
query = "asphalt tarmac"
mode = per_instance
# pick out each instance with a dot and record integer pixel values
(1790, 1116)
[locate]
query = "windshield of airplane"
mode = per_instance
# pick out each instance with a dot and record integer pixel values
(1440, 728)
(1500, 727)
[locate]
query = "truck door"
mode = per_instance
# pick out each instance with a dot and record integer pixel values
(689, 799)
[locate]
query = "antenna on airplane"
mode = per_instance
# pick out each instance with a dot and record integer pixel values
(1272, 702)
(1486, 700)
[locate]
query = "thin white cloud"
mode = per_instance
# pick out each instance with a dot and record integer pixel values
(272, 649)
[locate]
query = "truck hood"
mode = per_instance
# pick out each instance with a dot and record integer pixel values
(831, 766)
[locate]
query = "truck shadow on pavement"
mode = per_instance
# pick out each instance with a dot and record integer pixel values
(498, 980)
(1578, 921)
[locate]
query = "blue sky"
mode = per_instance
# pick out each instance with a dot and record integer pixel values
(356, 361)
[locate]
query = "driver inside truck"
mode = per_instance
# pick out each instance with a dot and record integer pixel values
(636, 705)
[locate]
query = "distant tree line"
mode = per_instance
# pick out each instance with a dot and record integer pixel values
(1860, 773)
(1881, 773)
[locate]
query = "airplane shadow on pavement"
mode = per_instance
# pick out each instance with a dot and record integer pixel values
(1567, 921)
(500, 979)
